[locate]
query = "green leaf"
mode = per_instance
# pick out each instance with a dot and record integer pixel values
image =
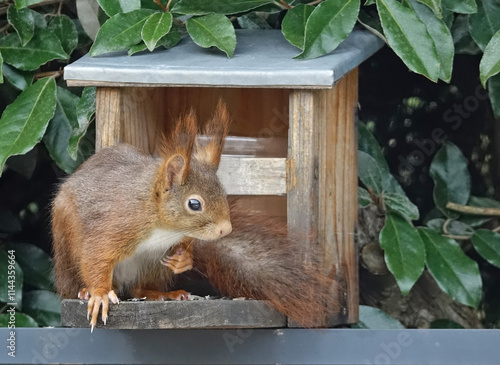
(113, 7)
(24, 3)
(460, 6)
(36, 265)
(42, 48)
(490, 62)
(213, 30)
(293, 26)
(64, 28)
(364, 198)
(434, 5)
(85, 109)
(24, 122)
(494, 94)
(456, 274)
(23, 22)
(40, 22)
(328, 25)
(409, 38)
(485, 23)
(370, 173)
(487, 244)
(1, 69)
(253, 21)
(436, 224)
(155, 27)
(120, 32)
(404, 251)
(11, 291)
(441, 37)
(172, 38)
(19, 79)
(458, 228)
(44, 306)
(227, 7)
(368, 144)
(373, 318)
(451, 178)
(401, 204)
(58, 133)
(137, 48)
(21, 320)
(464, 44)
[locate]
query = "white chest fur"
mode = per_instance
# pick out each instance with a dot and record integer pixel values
(149, 252)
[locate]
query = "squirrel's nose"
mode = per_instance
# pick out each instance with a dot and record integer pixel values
(225, 228)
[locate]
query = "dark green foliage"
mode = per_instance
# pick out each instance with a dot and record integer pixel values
(411, 115)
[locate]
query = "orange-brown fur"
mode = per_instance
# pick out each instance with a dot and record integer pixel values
(119, 196)
(259, 260)
(116, 199)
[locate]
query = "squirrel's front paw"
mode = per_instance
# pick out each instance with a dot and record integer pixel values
(98, 297)
(179, 262)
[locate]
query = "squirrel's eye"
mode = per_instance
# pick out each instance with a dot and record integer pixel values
(194, 204)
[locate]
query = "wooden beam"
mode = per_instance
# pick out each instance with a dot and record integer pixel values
(253, 176)
(322, 182)
(177, 314)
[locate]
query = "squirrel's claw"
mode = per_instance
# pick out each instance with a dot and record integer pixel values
(94, 305)
(181, 261)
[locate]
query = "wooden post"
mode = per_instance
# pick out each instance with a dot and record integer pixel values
(322, 182)
(129, 114)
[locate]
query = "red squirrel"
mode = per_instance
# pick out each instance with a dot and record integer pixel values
(114, 219)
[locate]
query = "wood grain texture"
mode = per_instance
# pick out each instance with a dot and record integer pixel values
(253, 176)
(322, 182)
(108, 117)
(177, 314)
(338, 193)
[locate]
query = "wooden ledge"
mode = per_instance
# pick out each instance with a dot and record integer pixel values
(217, 313)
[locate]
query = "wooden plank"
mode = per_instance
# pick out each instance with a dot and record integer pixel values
(108, 117)
(177, 314)
(253, 176)
(322, 182)
(130, 115)
(302, 166)
(338, 190)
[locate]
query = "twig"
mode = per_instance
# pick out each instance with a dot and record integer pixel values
(314, 2)
(496, 229)
(279, 4)
(158, 2)
(448, 234)
(55, 74)
(59, 9)
(168, 5)
(473, 210)
(285, 5)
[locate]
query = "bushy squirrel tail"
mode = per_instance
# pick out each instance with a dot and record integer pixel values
(259, 261)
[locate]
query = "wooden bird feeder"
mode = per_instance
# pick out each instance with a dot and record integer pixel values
(292, 150)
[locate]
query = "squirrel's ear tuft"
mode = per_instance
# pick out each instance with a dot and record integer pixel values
(216, 130)
(181, 139)
(176, 171)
